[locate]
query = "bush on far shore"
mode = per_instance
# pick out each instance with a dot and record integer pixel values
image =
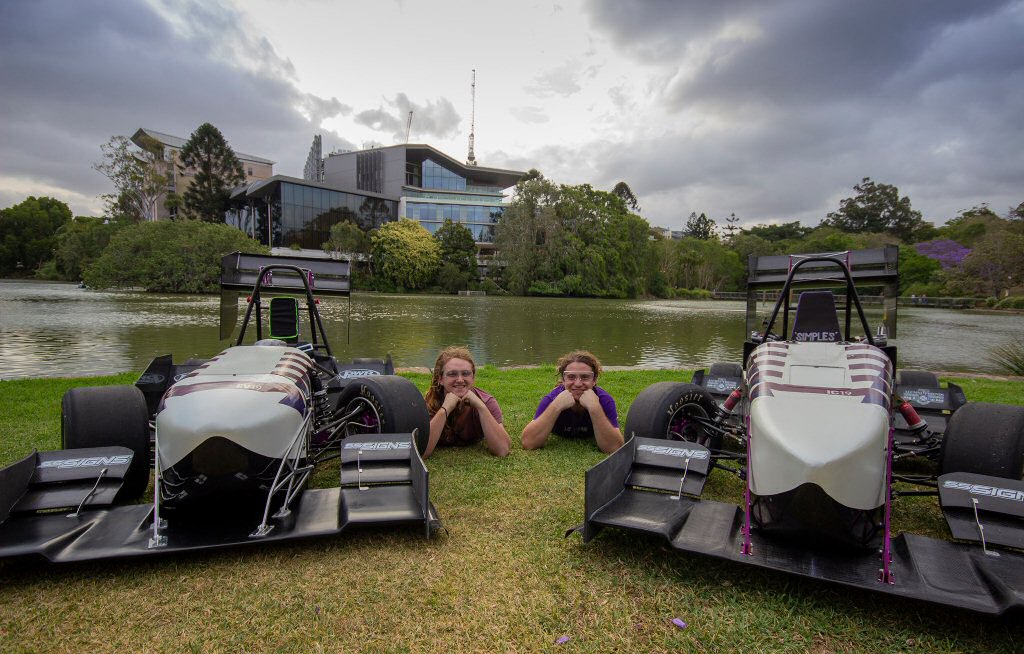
(181, 256)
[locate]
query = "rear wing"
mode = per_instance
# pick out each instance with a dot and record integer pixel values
(873, 267)
(257, 274)
(239, 272)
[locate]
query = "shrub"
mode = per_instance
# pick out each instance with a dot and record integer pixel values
(932, 290)
(450, 279)
(991, 301)
(1011, 303)
(693, 293)
(1010, 356)
(181, 256)
(490, 287)
(48, 271)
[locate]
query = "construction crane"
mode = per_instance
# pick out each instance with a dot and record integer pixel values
(408, 127)
(471, 159)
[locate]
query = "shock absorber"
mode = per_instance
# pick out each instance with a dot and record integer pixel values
(321, 403)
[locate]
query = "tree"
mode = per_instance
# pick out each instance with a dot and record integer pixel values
(405, 254)
(139, 176)
(527, 233)
(531, 174)
(572, 240)
(700, 227)
(217, 171)
(970, 226)
(731, 227)
(82, 241)
(916, 268)
(347, 237)
(995, 264)
(780, 232)
(623, 191)
(876, 208)
(1016, 213)
(457, 246)
(28, 234)
(168, 256)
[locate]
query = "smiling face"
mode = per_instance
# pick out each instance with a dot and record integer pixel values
(457, 377)
(578, 378)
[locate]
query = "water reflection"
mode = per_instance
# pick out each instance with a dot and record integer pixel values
(49, 329)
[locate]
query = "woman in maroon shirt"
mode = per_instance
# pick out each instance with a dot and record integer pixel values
(461, 413)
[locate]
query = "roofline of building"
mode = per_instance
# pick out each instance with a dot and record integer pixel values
(462, 166)
(178, 142)
(262, 187)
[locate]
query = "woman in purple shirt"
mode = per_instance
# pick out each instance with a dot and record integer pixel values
(577, 408)
(461, 413)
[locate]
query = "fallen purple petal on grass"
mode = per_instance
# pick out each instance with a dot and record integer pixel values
(679, 623)
(562, 641)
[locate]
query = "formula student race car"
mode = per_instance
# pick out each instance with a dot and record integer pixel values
(813, 417)
(233, 440)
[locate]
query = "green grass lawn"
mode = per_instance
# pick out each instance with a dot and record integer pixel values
(499, 578)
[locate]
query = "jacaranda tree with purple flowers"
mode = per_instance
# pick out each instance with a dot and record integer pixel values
(947, 252)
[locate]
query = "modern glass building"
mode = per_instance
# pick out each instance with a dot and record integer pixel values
(370, 188)
(282, 211)
(429, 185)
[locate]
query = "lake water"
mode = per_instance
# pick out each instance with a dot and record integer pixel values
(58, 330)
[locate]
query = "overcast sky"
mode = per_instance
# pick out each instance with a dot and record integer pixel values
(769, 110)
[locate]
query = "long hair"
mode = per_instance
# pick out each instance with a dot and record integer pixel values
(579, 356)
(435, 394)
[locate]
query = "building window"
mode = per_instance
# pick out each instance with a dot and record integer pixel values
(438, 177)
(370, 171)
(413, 174)
(250, 171)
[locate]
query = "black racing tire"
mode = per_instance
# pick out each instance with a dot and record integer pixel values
(393, 405)
(722, 369)
(104, 416)
(986, 439)
(659, 411)
(917, 379)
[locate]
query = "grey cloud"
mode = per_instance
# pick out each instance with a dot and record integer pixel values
(781, 107)
(530, 115)
(432, 119)
(789, 51)
(563, 81)
(74, 74)
(319, 109)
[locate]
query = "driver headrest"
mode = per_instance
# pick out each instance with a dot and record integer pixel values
(816, 319)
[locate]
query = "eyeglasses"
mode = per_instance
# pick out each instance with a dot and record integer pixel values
(577, 376)
(455, 374)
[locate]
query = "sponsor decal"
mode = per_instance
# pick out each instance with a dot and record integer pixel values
(151, 378)
(988, 491)
(358, 372)
(382, 445)
(816, 337)
(180, 376)
(722, 384)
(922, 396)
(681, 452)
(89, 462)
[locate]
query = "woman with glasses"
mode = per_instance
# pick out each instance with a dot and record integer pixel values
(576, 408)
(461, 413)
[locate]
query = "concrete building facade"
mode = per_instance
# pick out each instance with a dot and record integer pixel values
(178, 180)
